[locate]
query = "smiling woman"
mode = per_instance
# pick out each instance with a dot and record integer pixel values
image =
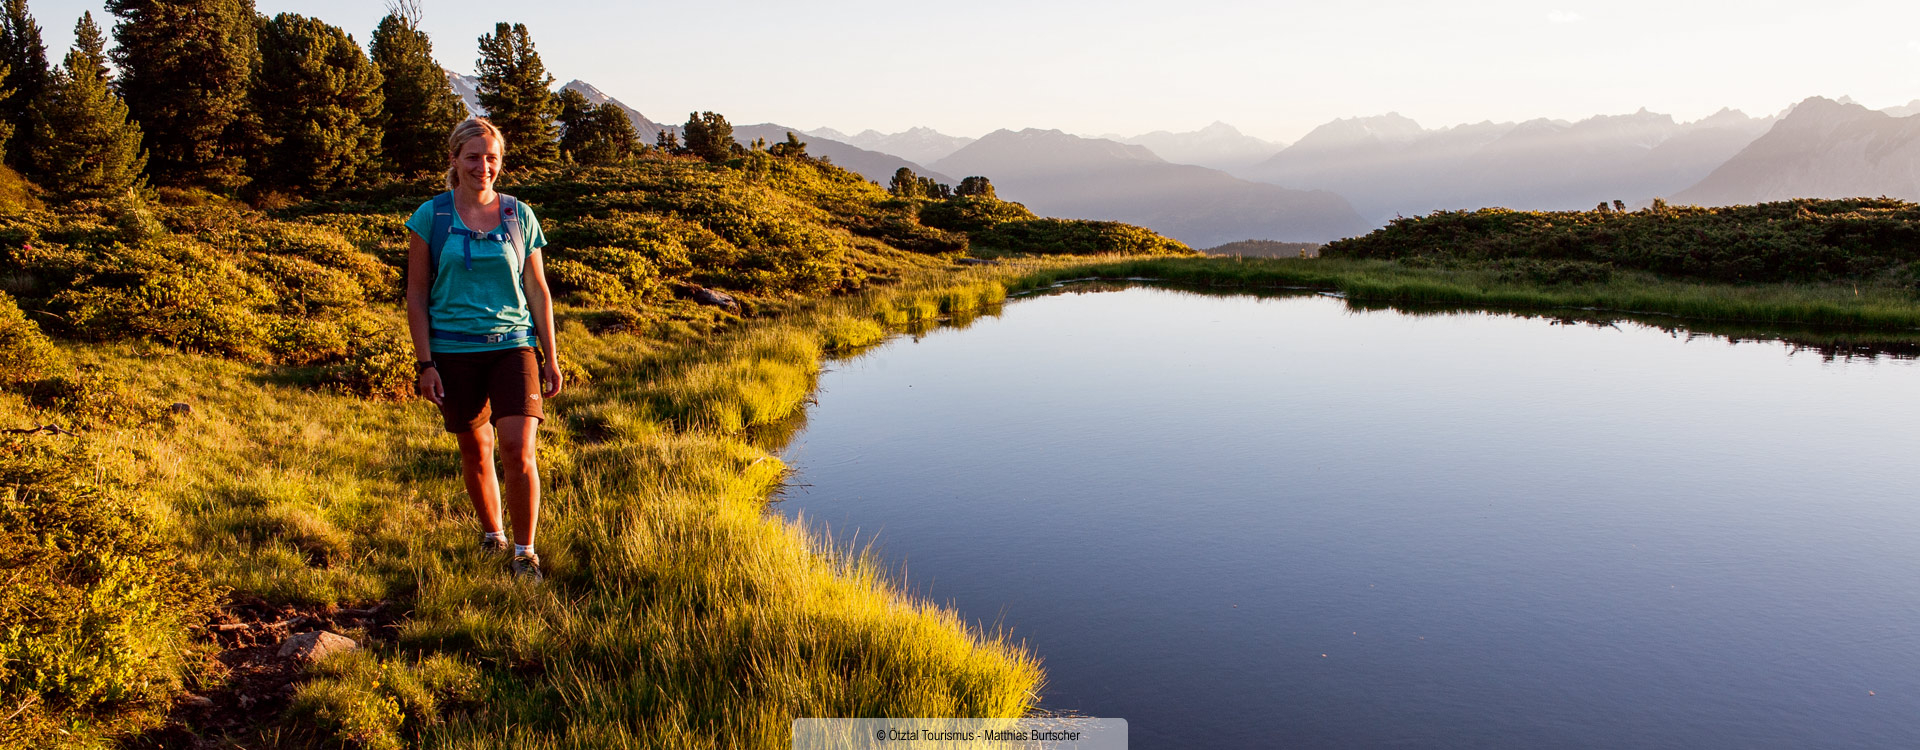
(481, 319)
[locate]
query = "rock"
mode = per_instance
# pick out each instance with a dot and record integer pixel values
(712, 298)
(181, 407)
(196, 701)
(311, 647)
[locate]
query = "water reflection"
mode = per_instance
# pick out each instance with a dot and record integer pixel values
(1296, 522)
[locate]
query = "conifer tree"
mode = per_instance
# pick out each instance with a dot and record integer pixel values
(319, 105)
(517, 93)
(905, 184)
(87, 147)
(420, 106)
(25, 58)
(185, 71)
(6, 128)
(975, 186)
(595, 134)
(793, 147)
(709, 136)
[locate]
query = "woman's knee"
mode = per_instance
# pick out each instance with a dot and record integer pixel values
(517, 442)
(477, 445)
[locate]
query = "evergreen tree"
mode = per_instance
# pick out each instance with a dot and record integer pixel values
(87, 147)
(25, 58)
(793, 147)
(595, 134)
(88, 41)
(419, 104)
(185, 70)
(905, 184)
(709, 136)
(975, 186)
(319, 105)
(6, 128)
(518, 95)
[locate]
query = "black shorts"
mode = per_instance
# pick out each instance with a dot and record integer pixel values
(485, 386)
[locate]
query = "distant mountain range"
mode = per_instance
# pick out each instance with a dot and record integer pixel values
(1389, 165)
(872, 165)
(1218, 146)
(921, 145)
(1218, 185)
(1821, 149)
(1056, 174)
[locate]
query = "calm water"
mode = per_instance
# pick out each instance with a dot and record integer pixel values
(1242, 522)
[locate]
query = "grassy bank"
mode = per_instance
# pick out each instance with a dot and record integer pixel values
(1866, 311)
(677, 611)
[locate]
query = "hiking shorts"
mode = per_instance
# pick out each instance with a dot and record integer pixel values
(486, 386)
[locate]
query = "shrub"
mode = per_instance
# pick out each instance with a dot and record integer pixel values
(93, 606)
(25, 353)
(1076, 237)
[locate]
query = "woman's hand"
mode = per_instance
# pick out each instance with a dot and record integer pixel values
(550, 372)
(430, 387)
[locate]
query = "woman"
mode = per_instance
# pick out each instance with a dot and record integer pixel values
(477, 304)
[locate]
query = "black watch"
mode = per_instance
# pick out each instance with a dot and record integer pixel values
(422, 365)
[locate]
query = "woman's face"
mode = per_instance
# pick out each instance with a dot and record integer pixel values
(479, 162)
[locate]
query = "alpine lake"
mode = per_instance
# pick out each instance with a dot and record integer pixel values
(1287, 521)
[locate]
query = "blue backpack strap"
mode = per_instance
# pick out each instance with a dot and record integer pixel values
(510, 221)
(442, 224)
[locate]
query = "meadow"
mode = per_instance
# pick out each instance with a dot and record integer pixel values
(207, 419)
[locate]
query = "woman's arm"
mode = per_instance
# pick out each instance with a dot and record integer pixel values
(419, 292)
(540, 303)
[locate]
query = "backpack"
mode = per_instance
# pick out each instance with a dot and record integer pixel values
(443, 225)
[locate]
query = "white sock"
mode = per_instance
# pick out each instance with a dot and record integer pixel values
(497, 536)
(523, 550)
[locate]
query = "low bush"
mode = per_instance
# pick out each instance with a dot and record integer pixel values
(93, 606)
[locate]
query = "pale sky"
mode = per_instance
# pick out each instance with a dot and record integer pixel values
(1272, 69)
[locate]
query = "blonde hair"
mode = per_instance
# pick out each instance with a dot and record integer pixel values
(467, 130)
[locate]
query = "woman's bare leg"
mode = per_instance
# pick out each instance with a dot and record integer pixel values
(517, 456)
(476, 468)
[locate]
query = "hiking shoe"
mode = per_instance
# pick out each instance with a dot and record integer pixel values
(527, 567)
(491, 545)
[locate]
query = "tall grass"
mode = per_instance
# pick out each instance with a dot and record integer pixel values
(678, 610)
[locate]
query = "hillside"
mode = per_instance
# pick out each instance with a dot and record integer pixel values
(207, 412)
(1799, 241)
(1821, 149)
(1063, 175)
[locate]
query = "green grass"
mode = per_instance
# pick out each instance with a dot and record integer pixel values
(677, 609)
(1876, 309)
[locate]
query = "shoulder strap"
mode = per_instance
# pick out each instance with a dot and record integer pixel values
(510, 219)
(442, 224)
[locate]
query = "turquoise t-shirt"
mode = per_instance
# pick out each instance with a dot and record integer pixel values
(488, 299)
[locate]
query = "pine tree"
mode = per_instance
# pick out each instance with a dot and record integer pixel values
(420, 105)
(185, 71)
(6, 128)
(595, 134)
(319, 105)
(87, 147)
(905, 184)
(517, 93)
(25, 58)
(975, 186)
(793, 147)
(709, 136)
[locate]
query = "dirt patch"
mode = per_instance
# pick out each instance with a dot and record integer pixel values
(252, 682)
